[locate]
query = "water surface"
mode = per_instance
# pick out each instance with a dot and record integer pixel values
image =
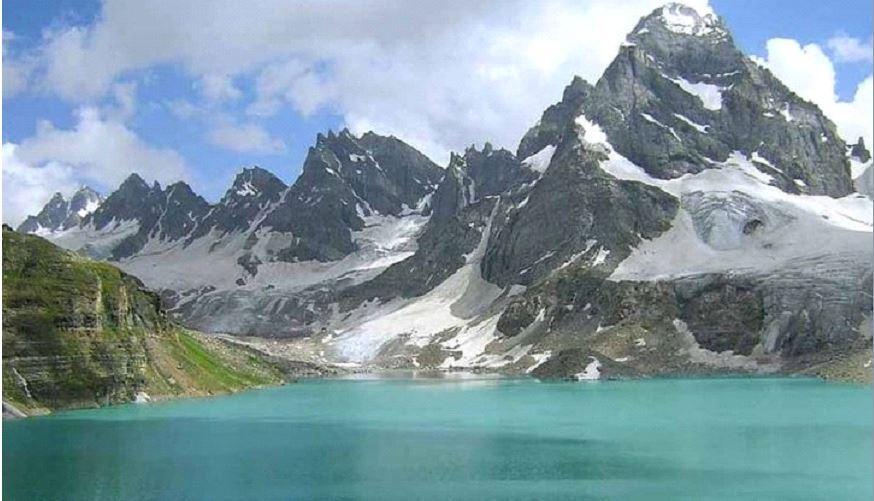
(477, 438)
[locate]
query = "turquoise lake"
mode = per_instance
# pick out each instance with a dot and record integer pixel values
(460, 438)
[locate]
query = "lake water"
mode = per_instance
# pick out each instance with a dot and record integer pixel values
(460, 438)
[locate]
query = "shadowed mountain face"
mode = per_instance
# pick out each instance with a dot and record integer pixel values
(684, 212)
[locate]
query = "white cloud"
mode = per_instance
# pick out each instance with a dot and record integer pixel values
(125, 103)
(27, 188)
(219, 88)
(184, 109)
(440, 74)
(102, 152)
(245, 138)
(847, 49)
(809, 72)
(16, 71)
(293, 82)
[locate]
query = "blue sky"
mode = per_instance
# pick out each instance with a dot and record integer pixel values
(196, 90)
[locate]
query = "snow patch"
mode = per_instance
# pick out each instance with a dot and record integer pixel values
(539, 161)
(709, 94)
(592, 371)
(700, 128)
(601, 257)
(592, 133)
(247, 189)
(684, 20)
(90, 207)
(539, 359)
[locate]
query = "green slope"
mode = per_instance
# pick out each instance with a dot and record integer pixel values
(79, 333)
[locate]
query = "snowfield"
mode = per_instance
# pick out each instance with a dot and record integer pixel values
(455, 303)
(802, 226)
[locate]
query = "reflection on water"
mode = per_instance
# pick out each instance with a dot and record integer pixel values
(461, 437)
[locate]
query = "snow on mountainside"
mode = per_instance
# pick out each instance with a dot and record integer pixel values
(687, 212)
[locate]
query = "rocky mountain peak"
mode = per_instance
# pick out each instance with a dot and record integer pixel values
(680, 19)
(859, 151)
(134, 184)
(254, 182)
(680, 98)
(61, 214)
(84, 201)
(57, 200)
(382, 171)
(180, 194)
(683, 43)
(50, 218)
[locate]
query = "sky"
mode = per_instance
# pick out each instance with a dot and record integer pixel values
(196, 89)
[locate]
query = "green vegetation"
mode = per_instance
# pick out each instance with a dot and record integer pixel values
(78, 333)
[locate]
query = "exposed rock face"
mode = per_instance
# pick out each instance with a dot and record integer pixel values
(344, 180)
(78, 333)
(158, 214)
(60, 214)
(575, 213)
(252, 192)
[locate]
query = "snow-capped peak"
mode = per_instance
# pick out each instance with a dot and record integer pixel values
(685, 20)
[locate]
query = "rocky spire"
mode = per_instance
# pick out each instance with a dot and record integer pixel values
(859, 151)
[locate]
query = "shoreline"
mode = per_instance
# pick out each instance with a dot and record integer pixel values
(375, 373)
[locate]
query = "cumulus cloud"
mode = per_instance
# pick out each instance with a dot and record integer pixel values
(27, 188)
(101, 151)
(245, 138)
(847, 49)
(439, 74)
(809, 72)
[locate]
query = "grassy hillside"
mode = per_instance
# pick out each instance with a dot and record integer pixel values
(79, 333)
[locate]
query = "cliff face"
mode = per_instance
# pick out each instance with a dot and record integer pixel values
(78, 333)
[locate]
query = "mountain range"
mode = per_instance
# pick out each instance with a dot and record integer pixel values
(686, 212)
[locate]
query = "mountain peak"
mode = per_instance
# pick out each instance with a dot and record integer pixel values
(57, 198)
(677, 23)
(251, 181)
(61, 214)
(134, 182)
(682, 19)
(86, 191)
(84, 202)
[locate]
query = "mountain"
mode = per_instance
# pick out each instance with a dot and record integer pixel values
(685, 213)
(355, 209)
(78, 333)
(61, 214)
